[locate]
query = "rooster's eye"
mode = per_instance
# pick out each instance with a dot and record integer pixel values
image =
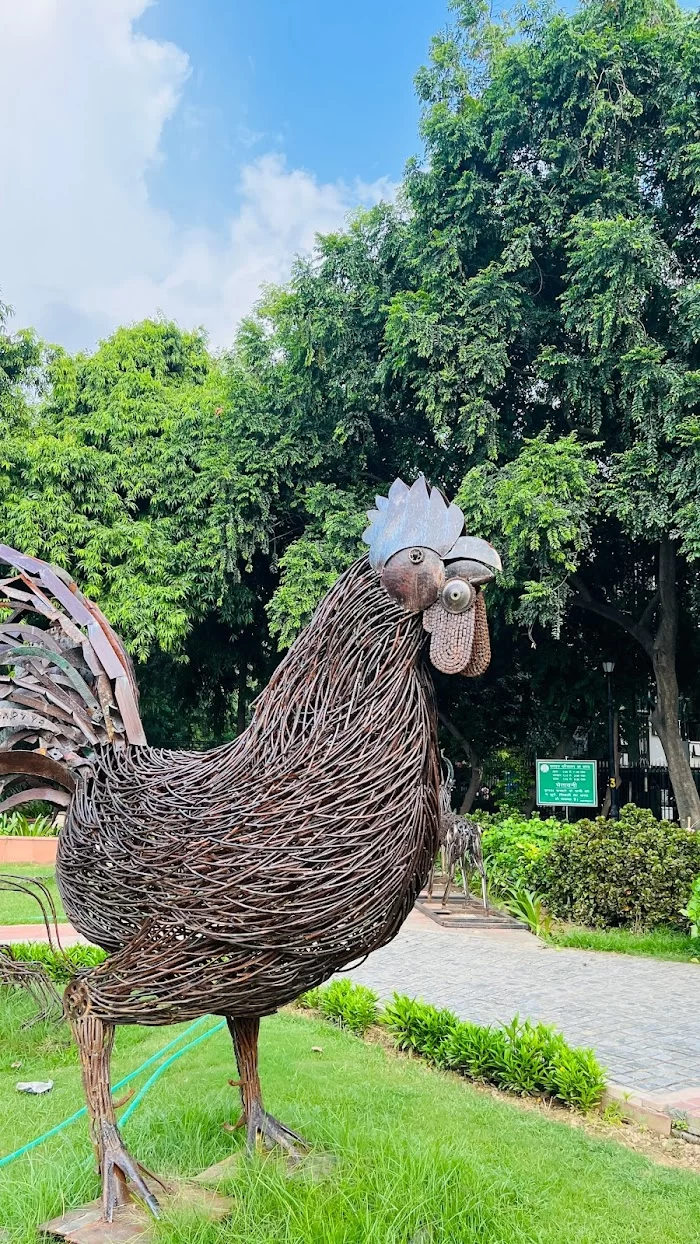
(458, 595)
(414, 577)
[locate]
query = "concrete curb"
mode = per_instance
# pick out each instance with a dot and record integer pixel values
(658, 1111)
(27, 850)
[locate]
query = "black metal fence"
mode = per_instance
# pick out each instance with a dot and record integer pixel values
(648, 786)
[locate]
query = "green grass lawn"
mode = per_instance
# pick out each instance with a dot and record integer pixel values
(658, 944)
(20, 908)
(420, 1156)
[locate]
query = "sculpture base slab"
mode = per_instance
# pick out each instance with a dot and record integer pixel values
(314, 1166)
(134, 1224)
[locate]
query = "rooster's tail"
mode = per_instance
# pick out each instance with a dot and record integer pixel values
(20, 970)
(67, 684)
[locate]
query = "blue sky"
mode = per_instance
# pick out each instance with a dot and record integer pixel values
(173, 157)
(328, 84)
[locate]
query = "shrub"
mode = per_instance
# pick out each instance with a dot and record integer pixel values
(350, 1006)
(59, 966)
(635, 871)
(418, 1026)
(529, 907)
(521, 1057)
(692, 910)
(17, 825)
(512, 845)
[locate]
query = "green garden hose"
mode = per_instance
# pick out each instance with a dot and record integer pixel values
(163, 1067)
(32, 1144)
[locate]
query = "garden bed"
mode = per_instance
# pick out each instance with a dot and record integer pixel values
(27, 850)
(421, 1155)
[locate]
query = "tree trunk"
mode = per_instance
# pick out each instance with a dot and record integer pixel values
(661, 650)
(474, 784)
(665, 715)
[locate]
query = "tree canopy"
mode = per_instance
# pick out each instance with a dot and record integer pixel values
(522, 325)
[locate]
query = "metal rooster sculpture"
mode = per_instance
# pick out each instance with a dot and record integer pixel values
(228, 882)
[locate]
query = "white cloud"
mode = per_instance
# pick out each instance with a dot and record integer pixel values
(82, 247)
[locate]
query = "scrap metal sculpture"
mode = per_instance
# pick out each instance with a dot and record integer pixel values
(230, 881)
(459, 841)
(460, 844)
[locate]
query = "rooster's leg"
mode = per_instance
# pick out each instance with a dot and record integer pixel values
(95, 1040)
(255, 1119)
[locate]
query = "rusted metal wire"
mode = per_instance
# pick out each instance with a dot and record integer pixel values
(460, 844)
(229, 882)
(34, 980)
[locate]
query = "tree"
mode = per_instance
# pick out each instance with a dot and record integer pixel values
(552, 335)
(145, 470)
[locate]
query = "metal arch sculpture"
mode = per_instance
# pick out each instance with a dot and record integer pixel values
(230, 881)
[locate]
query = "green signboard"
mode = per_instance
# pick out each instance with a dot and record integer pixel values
(567, 783)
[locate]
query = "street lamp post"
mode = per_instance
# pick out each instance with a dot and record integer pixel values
(608, 667)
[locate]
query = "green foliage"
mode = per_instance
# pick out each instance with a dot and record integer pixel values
(18, 825)
(661, 943)
(692, 909)
(310, 565)
(530, 908)
(542, 503)
(122, 480)
(513, 844)
(418, 1027)
(60, 965)
(519, 1057)
(635, 871)
(349, 1006)
(510, 776)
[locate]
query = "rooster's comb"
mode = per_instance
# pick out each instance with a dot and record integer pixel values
(411, 516)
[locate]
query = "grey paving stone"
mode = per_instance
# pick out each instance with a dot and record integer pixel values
(640, 1015)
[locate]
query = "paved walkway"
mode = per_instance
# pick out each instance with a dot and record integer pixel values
(642, 1016)
(37, 933)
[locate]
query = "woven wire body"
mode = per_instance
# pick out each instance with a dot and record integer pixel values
(228, 882)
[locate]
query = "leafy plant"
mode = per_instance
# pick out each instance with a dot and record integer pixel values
(692, 910)
(529, 907)
(418, 1026)
(348, 1005)
(635, 871)
(612, 1113)
(520, 1056)
(311, 1000)
(17, 825)
(59, 966)
(512, 845)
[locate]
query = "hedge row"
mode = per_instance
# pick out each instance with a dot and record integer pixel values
(521, 1057)
(636, 871)
(59, 965)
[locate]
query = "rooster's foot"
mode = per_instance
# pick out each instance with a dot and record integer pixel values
(263, 1127)
(118, 1166)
